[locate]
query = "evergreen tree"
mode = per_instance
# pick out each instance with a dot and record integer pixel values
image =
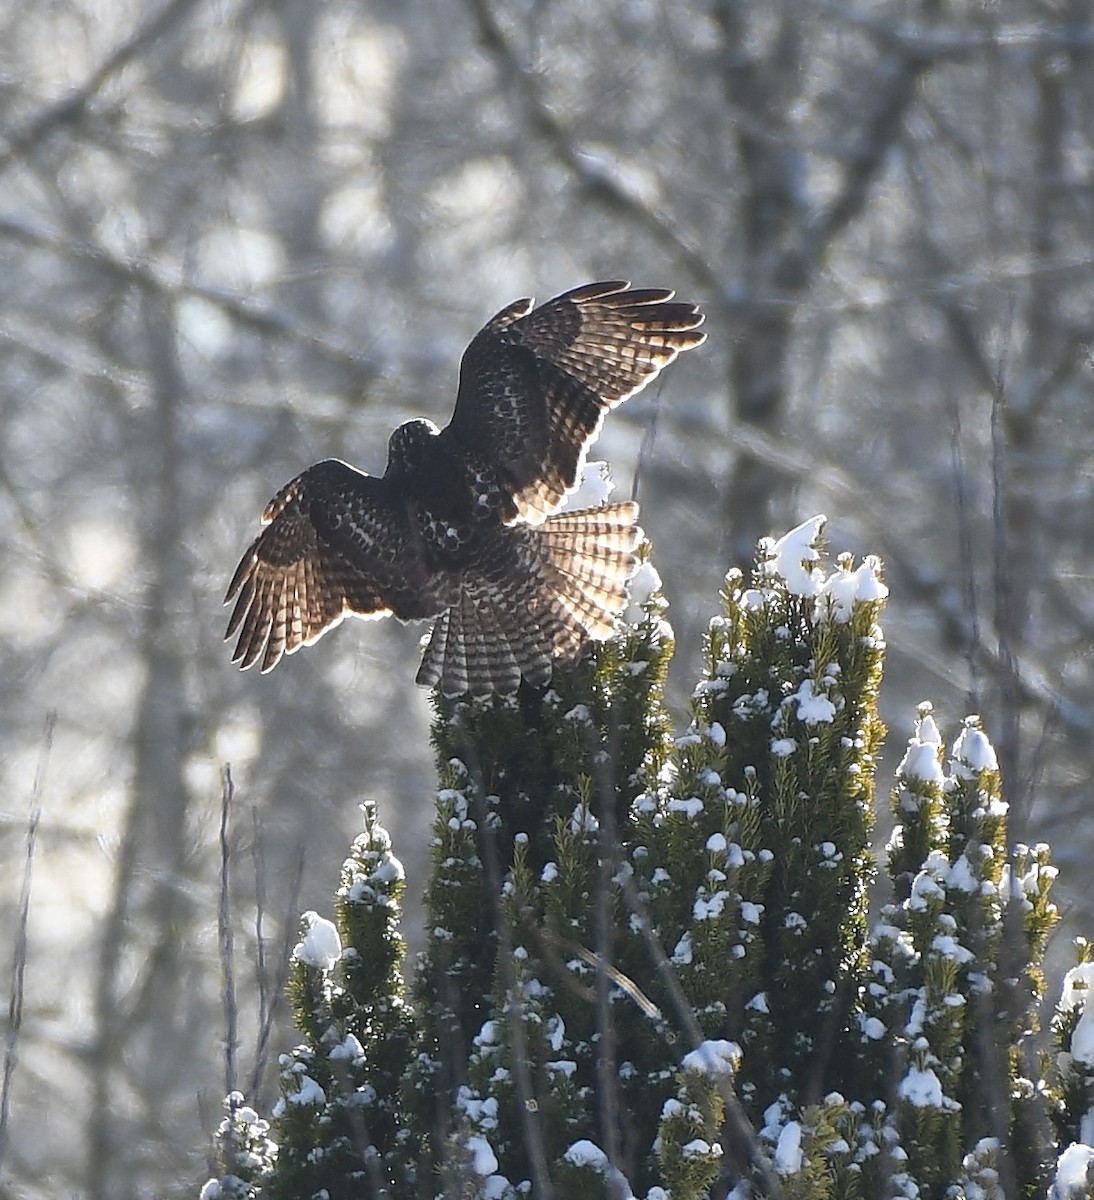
(650, 966)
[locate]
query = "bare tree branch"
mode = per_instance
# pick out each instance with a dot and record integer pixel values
(19, 950)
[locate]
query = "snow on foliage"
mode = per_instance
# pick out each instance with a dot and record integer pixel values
(348, 1050)
(644, 584)
(700, 1148)
(320, 947)
(307, 1092)
(787, 557)
(796, 559)
(248, 1152)
(584, 1153)
(973, 750)
(483, 1159)
(1077, 993)
(788, 1150)
(374, 873)
(920, 763)
(594, 489)
(1072, 1167)
(814, 707)
(713, 1057)
(848, 586)
(922, 1088)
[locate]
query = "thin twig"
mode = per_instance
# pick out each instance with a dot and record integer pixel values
(258, 861)
(553, 947)
(1010, 686)
(19, 955)
(645, 450)
(262, 1050)
(968, 572)
(227, 966)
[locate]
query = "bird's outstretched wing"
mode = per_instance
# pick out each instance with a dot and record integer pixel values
(334, 546)
(535, 384)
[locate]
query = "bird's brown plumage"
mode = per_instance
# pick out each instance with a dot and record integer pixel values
(462, 527)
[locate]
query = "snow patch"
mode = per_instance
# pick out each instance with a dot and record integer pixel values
(923, 1089)
(644, 584)
(788, 1152)
(483, 1160)
(691, 807)
(845, 588)
(1077, 989)
(713, 1057)
(962, 878)
(753, 599)
(814, 708)
(920, 762)
(594, 489)
(973, 750)
(925, 886)
(1071, 1172)
(681, 955)
(321, 947)
(949, 947)
(583, 820)
(709, 908)
(788, 557)
(701, 1148)
(556, 1033)
(349, 1050)
(925, 728)
(308, 1092)
(1077, 986)
(586, 1154)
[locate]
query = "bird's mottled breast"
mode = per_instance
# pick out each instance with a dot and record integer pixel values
(432, 483)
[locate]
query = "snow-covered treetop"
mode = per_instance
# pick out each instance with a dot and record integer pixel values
(794, 559)
(320, 946)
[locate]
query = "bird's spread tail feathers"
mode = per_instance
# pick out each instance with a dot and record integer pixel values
(574, 588)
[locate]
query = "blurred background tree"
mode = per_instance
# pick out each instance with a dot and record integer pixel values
(236, 237)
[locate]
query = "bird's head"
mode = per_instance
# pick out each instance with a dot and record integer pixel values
(404, 450)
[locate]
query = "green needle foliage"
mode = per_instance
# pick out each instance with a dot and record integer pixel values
(651, 967)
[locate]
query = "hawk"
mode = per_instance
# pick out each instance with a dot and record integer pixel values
(464, 526)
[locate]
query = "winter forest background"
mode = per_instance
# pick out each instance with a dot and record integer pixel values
(238, 236)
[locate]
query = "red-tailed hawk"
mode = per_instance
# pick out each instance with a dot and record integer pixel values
(463, 527)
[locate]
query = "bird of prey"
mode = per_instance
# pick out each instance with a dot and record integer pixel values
(464, 526)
